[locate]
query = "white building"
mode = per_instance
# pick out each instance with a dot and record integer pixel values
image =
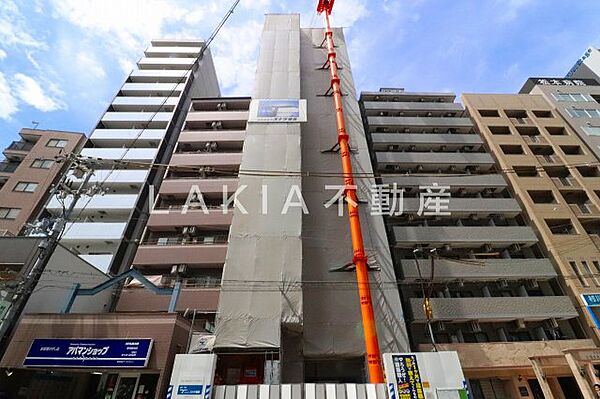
(588, 66)
(138, 129)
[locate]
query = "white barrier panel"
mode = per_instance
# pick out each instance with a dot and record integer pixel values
(192, 377)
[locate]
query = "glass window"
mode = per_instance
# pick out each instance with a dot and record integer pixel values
(25, 187)
(591, 130)
(573, 97)
(42, 163)
(56, 143)
(578, 273)
(584, 113)
(590, 273)
(9, 213)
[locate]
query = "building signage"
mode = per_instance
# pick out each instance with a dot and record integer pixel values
(591, 299)
(277, 110)
(100, 353)
(189, 389)
(408, 377)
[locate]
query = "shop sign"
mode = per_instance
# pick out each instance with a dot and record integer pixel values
(189, 389)
(591, 299)
(99, 353)
(277, 110)
(408, 377)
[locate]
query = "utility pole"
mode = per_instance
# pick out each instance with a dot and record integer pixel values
(51, 229)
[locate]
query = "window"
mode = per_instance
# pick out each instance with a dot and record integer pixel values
(512, 113)
(42, 163)
(542, 196)
(560, 226)
(584, 113)
(25, 187)
(556, 130)
(572, 150)
(489, 113)
(543, 114)
(578, 273)
(588, 171)
(588, 270)
(574, 97)
(526, 171)
(57, 143)
(9, 213)
(512, 149)
(591, 130)
(498, 130)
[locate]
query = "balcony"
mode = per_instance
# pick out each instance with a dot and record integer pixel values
(535, 139)
(127, 137)
(480, 269)
(166, 63)
(495, 309)
(17, 150)
(568, 183)
(206, 159)
(202, 116)
(111, 154)
(192, 251)
(373, 107)
(432, 161)
(219, 136)
(166, 219)
(94, 232)
(143, 300)
(585, 210)
(521, 121)
(550, 159)
(408, 96)
(124, 120)
(7, 169)
(398, 122)
(158, 90)
(157, 76)
(465, 237)
(116, 178)
(172, 51)
(148, 104)
(109, 205)
(182, 187)
(471, 206)
(472, 183)
(425, 142)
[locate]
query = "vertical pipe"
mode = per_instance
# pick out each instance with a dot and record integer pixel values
(359, 258)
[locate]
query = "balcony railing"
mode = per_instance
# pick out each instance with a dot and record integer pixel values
(521, 121)
(205, 240)
(8, 167)
(20, 146)
(192, 282)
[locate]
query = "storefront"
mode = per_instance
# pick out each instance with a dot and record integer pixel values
(107, 356)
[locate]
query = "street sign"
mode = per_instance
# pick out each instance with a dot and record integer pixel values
(98, 353)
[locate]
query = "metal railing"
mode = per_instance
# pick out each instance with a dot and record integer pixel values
(204, 240)
(20, 146)
(8, 167)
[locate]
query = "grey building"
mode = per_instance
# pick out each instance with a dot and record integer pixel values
(280, 301)
(492, 289)
(577, 101)
(588, 66)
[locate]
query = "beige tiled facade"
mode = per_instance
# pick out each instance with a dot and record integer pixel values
(555, 177)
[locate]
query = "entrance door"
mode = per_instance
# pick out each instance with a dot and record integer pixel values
(126, 386)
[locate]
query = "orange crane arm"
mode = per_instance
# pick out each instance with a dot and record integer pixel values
(359, 258)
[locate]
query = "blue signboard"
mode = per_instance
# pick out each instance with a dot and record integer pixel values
(189, 389)
(100, 353)
(591, 299)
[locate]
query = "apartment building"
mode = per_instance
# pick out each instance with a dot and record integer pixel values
(576, 101)
(27, 173)
(139, 129)
(494, 295)
(186, 234)
(587, 67)
(551, 172)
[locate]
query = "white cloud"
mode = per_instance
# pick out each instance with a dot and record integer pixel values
(89, 64)
(511, 8)
(8, 103)
(14, 30)
(126, 65)
(30, 92)
(346, 13)
(2, 54)
(235, 59)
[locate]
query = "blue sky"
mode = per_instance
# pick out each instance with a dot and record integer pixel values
(61, 61)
